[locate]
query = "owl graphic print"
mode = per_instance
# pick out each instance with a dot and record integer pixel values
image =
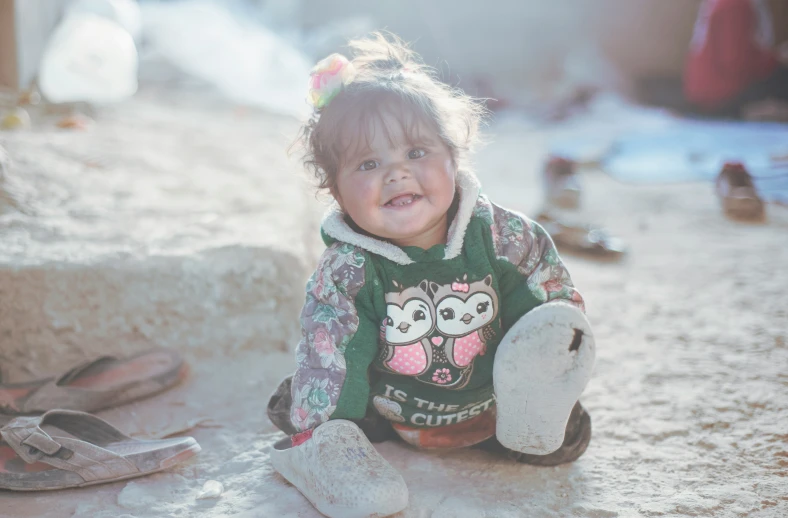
(434, 331)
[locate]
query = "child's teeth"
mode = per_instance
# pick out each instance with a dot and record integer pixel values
(405, 200)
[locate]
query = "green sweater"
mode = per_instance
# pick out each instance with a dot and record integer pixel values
(413, 332)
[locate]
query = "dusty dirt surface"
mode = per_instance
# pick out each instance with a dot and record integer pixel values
(179, 221)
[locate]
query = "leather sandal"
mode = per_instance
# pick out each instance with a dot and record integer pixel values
(737, 193)
(96, 384)
(90, 451)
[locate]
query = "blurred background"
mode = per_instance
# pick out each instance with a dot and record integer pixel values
(523, 45)
(148, 198)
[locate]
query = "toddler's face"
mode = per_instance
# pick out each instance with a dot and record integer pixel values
(400, 185)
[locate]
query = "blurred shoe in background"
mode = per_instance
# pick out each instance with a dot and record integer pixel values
(561, 184)
(582, 238)
(737, 193)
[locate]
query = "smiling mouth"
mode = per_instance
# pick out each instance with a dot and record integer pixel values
(466, 318)
(402, 200)
(403, 327)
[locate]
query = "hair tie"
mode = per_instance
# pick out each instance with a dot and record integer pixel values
(327, 79)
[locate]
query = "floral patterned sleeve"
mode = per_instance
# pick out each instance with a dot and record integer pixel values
(329, 321)
(526, 245)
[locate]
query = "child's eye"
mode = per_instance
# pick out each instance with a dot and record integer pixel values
(413, 154)
(368, 165)
(447, 314)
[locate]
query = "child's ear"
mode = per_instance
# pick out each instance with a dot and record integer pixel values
(335, 194)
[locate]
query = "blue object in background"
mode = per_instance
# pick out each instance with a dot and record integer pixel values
(692, 150)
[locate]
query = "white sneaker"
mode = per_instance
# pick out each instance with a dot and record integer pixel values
(341, 473)
(541, 367)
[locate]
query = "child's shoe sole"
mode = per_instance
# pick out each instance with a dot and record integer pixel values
(541, 367)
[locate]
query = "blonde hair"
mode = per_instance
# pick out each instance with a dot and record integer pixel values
(388, 74)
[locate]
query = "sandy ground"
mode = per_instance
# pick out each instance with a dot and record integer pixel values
(172, 223)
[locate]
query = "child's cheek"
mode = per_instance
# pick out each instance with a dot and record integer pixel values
(367, 192)
(436, 170)
(442, 177)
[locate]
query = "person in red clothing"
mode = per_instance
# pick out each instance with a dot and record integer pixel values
(733, 64)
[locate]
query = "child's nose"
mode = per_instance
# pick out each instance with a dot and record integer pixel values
(397, 172)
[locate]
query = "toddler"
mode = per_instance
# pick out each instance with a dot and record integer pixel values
(434, 315)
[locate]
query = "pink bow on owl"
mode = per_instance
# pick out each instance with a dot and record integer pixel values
(460, 286)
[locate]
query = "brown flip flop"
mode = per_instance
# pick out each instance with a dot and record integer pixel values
(97, 384)
(84, 451)
(737, 193)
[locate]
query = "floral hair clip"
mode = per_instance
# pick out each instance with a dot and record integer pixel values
(327, 79)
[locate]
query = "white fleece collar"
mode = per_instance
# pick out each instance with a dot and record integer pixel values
(335, 226)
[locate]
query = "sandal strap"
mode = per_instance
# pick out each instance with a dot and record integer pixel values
(83, 455)
(24, 431)
(75, 371)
